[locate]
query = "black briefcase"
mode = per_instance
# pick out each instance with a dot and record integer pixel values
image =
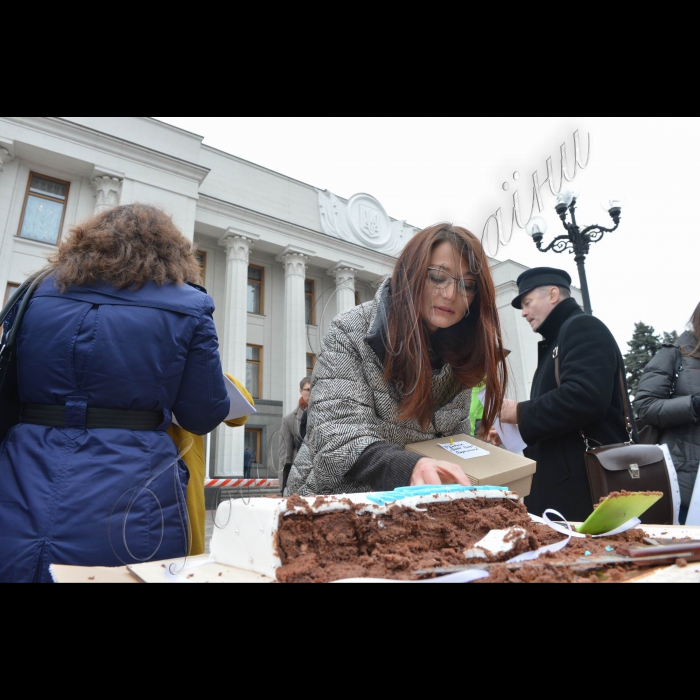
(10, 405)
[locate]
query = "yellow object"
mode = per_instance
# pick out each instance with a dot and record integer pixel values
(615, 512)
(452, 441)
(194, 459)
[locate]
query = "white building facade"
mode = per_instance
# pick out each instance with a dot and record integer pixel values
(279, 257)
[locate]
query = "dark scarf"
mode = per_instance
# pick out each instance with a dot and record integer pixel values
(558, 317)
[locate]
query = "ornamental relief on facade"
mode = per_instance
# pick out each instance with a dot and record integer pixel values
(238, 248)
(5, 157)
(345, 277)
(363, 221)
(295, 265)
(109, 190)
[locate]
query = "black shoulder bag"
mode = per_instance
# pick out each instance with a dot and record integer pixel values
(10, 405)
(628, 467)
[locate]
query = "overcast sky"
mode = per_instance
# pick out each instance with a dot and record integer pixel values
(430, 169)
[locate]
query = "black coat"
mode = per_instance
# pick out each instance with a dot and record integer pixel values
(590, 399)
(665, 400)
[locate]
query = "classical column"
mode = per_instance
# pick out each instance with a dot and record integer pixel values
(344, 275)
(294, 261)
(109, 192)
(5, 157)
(230, 444)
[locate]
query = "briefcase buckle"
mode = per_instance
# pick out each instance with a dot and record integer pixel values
(634, 471)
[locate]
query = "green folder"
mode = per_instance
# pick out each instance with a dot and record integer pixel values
(613, 513)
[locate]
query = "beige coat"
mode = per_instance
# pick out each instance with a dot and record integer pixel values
(289, 432)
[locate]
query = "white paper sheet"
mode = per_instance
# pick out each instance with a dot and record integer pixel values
(694, 512)
(239, 404)
(510, 437)
(460, 577)
(465, 450)
(509, 434)
(675, 486)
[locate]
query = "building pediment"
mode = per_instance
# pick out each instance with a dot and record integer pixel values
(362, 220)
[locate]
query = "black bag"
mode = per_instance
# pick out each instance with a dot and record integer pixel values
(629, 467)
(10, 405)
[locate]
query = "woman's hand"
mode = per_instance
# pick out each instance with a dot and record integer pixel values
(434, 473)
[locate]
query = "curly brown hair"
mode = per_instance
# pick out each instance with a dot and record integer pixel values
(126, 247)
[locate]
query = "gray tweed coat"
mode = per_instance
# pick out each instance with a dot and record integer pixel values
(353, 407)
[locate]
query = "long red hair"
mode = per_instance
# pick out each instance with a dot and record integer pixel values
(473, 347)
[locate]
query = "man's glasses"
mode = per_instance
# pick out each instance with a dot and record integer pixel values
(439, 279)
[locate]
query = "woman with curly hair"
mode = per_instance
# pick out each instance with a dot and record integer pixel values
(115, 341)
(401, 370)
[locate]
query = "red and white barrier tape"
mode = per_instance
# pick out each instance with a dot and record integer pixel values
(242, 483)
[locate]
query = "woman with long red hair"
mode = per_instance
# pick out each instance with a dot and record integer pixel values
(401, 370)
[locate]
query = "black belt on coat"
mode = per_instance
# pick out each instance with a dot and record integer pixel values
(96, 419)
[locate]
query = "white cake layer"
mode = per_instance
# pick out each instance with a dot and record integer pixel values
(245, 531)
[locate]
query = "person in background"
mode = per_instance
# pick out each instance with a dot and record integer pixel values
(194, 457)
(668, 398)
(248, 459)
(589, 398)
(476, 410)
(401, 370)
(114, 342)
(291, 431)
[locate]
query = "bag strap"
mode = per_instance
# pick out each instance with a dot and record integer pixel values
(30, 287)
(12, 301)
(625, 404)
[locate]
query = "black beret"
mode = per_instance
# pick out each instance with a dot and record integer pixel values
(540, 277)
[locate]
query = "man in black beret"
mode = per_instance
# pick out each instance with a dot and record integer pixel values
(586, 397)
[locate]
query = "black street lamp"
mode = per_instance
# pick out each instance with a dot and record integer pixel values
(576, 241)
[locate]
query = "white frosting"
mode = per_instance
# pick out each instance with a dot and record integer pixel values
(245, 530)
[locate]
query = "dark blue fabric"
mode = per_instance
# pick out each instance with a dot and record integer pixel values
(106, 497)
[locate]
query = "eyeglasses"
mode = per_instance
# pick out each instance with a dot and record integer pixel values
(439, 279)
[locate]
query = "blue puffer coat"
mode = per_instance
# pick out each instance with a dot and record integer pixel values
(106, 497)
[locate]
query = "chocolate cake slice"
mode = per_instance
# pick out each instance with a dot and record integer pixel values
(326, 539)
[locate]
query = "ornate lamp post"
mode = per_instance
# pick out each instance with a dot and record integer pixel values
(576, 241)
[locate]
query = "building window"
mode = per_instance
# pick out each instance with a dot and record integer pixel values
(256, 290)
(253, 441)
(310, 364)
(44, 209)
(202, 260)
(357, 299)
(9, 291)
(253, 374)
(310, 290)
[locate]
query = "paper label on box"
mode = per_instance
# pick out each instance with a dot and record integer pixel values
(465, 450)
